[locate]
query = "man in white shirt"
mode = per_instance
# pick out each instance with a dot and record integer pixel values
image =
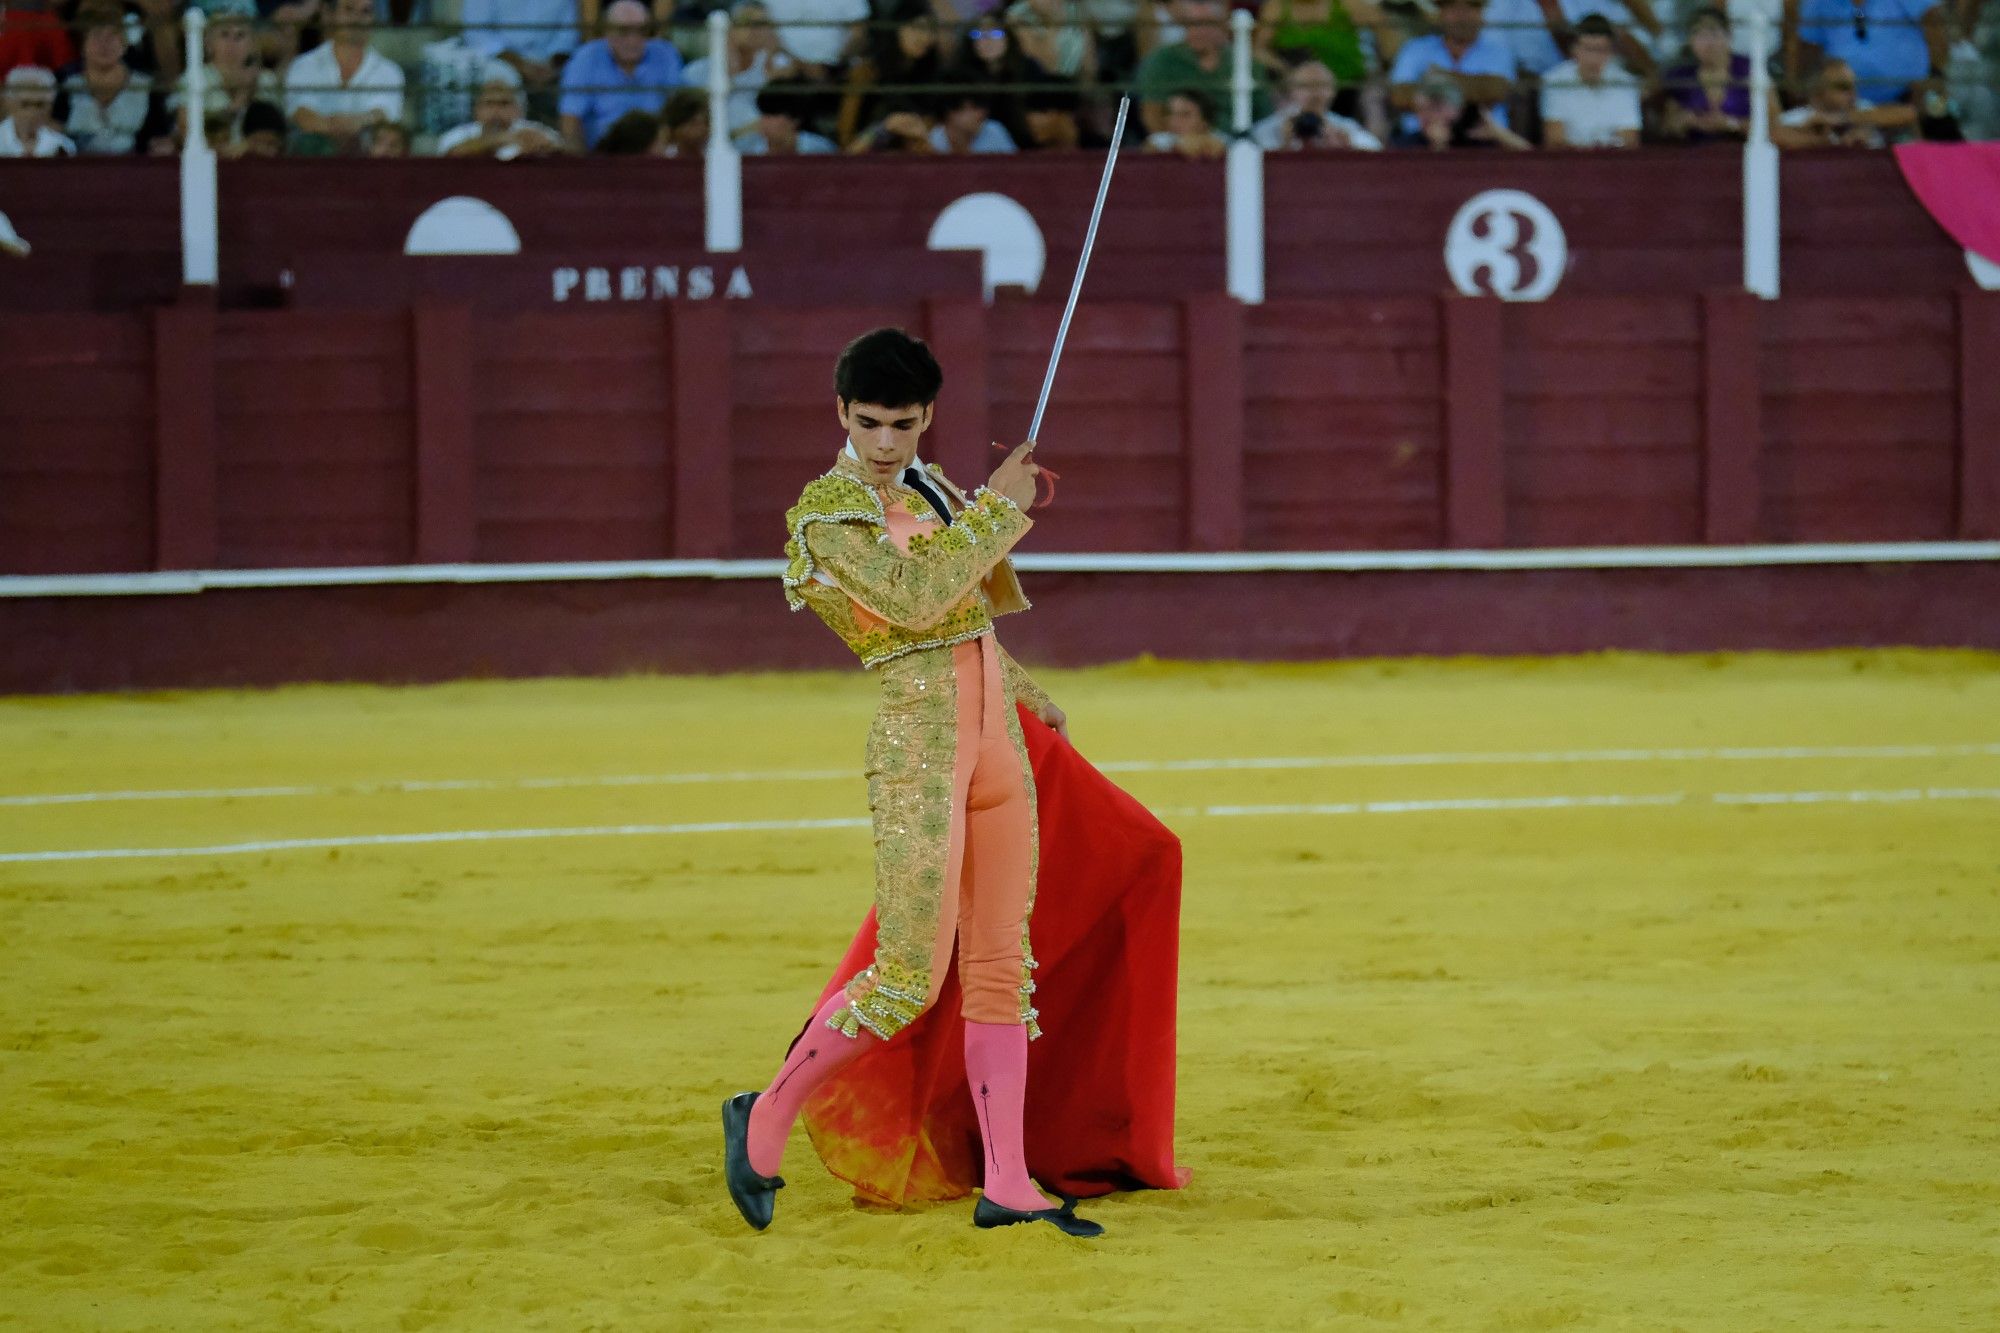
(500, 127)
(1834, 116)
(30, 105)
(818, 34)
(1537, 29)
(1590, 101)
(342, 88)
(754, 56)
(1305, 119)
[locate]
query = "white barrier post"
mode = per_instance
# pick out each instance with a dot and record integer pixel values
(723, 165)
(198, 194)
(1760, 172)
(1244, 179)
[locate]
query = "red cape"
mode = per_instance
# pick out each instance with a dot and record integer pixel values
(898, 1123)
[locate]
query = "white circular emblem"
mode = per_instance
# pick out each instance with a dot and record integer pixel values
(1983, 270)
(1005, 233)
(1511, 237)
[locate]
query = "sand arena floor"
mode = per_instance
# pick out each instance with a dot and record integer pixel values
(1465, 1044)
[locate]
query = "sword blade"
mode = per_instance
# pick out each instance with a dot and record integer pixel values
(1082, 263)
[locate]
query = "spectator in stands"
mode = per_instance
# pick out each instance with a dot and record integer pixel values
(991, 60)
(389, 139)
(1056, 35)
(1119, 24)
(634, 134)
(289, 26)
(1188, 127)
(260, 132)
(781, 132)
(902, 55)
(1542, 32)
(1835, 115)
(819, 35)
(905, 127)
(1445, 119)
(1290, 32)
(684, 124)
(1590, 100)
(1892, 45)
(106, 107)
(343, 87)
(1707, 99)
(1050, 116)
(233, 76)
(1463, 53)
(500, 127)
(1306, 118)
(535, 37)
(31, 33)
(967, 126)
(31, 103)
(1200, 62)
(754, 57)
(627, 69)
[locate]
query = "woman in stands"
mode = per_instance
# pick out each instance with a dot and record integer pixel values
(910, 572)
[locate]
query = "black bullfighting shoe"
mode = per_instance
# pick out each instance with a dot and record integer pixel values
(755, 1196)
(1063, 1219)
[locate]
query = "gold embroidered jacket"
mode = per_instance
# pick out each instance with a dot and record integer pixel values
(883, 603)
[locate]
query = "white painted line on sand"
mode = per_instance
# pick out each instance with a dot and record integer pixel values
(1703, 754)
(1441, 805)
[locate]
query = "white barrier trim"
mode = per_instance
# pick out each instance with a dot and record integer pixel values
(1168, 562)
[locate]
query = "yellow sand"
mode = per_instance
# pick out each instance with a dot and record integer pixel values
(1689, 1066)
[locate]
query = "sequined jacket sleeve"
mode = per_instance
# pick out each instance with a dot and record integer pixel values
(1024, 687)
(916, 590)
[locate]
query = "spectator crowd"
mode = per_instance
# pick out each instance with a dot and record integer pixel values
(530, 78)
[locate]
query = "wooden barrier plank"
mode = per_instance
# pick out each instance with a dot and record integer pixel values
(1475, 489)
(1731, 416)
(1978, 416)
(1212, 354)
(960, 438)
(699, 354)
(444, 522)
(184, 472)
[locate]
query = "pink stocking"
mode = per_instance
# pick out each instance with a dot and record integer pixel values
(996, 1068)
(818, 1054)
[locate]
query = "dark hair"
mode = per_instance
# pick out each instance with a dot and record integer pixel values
(1050, 97)
(1202, 101)
(784, 97)
(1708, 12)
(889, 368)
(260, 117)
(633, 132)
(687, 104)
(950, 102)
(1595, 25)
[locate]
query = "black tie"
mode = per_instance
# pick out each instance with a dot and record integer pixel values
(915, 479)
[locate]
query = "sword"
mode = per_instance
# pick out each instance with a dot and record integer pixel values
(1076, 284)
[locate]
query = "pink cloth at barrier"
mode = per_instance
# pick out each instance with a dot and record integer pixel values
(1960, 184)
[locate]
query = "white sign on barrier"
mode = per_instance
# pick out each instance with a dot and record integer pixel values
(1493, 233)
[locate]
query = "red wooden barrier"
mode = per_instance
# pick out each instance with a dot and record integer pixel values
(196, 438)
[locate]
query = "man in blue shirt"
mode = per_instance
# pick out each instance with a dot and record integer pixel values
(1479, 62)
(1890, 43)
(627, 69)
